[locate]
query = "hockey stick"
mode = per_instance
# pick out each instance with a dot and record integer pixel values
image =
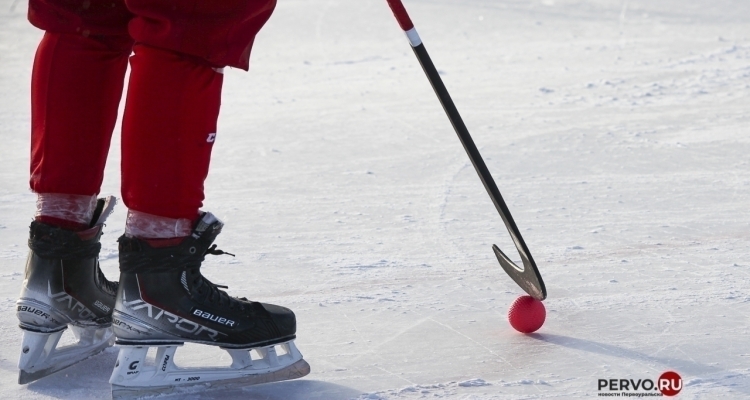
(527, 277)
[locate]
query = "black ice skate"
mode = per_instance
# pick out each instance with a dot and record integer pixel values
(164, 301)
(64, 287)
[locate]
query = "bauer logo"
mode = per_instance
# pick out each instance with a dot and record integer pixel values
(101, 306)
(214, 318)
(667, 384)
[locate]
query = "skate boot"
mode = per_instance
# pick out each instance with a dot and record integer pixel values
(164, 301)
(64, 288)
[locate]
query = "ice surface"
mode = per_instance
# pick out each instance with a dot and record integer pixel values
(617, 131)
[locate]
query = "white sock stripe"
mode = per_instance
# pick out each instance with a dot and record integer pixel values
(68, 207)
(146, 226)
(413, 37)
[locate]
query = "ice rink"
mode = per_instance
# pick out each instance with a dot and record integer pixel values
(617, 131)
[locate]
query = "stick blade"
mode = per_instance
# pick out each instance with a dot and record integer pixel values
(527, 277)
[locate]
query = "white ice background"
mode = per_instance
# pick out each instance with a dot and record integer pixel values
(617, 131)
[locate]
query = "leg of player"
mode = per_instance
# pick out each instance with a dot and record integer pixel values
(77, 83)
(169, 129)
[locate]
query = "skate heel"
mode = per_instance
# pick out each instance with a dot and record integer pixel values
(134, 375)
(38, 316)
(40, 355)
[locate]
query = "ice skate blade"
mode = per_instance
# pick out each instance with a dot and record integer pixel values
(41, 357)
(135, 376)
(294, 371)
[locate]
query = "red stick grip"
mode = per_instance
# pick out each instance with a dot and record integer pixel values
(401, 15)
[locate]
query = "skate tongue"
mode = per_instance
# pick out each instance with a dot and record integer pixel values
(205, 222)
(104, 208)
(209, 218)
(88, 234)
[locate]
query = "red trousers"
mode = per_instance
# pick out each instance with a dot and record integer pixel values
(173, 96)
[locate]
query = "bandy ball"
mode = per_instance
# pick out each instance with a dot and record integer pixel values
(526, 314)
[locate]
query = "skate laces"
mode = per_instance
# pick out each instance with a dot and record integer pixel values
(217, 252)
(213, 291)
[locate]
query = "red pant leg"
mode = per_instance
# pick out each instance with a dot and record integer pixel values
(174, 96)
(168, 131)
(76, 86)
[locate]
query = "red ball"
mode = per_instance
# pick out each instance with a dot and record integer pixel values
(526, 314)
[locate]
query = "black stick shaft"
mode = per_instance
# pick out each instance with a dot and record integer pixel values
(471, 149)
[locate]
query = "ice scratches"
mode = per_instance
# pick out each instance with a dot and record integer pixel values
(12, 275)
(523, 382)
(468, 389)
(376, 265)
(735, 52)
(722, 72)
(384, 295)
(452, 194)
(732, 381)
(359, 61)
(371, 265)
(13, 254)
(9, 303)
(438, 390)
